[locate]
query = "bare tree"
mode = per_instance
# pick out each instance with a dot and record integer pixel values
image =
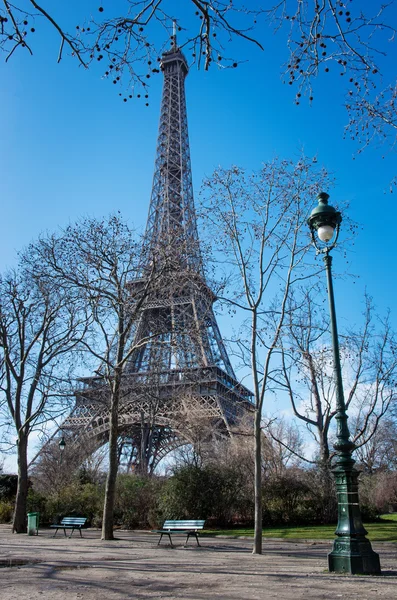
(328, 37)
(258, 224)
(39, 329)
(98, 261)
(380, 451)
(351, 41)
(126, 42)
(286, 442)
(305, 373)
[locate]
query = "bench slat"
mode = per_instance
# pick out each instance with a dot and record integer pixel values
(187, 524)
(73, 521)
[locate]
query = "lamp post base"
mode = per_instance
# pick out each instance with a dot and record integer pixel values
(352, 551)
(353, 556)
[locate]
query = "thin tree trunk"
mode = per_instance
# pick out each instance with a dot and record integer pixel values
(257, 548)
(324, 448)
(19, 523)
(110, 490)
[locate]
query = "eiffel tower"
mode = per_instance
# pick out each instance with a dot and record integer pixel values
(181, 383)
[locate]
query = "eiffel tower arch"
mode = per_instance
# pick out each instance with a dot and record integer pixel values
(181, 380)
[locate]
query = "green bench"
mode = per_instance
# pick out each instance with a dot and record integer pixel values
(70, 523)
(189, 528)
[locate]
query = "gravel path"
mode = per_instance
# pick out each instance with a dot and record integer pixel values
(133, 566)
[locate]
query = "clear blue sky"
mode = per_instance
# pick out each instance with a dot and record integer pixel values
(70, 147)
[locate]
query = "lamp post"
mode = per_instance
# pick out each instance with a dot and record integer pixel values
(62, 446)
(352, 552)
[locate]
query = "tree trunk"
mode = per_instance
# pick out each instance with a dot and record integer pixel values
(324, 448)
(110, 490)
(257, 549)
(19, 523)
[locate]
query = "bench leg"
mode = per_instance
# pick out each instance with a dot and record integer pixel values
(161, 537)
(64, 531)
(80, 533)
(195, 535)
(56, 531)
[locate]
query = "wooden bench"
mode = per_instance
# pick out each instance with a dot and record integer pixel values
(188, 528)
(70, 523)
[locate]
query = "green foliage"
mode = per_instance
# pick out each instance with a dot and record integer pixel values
(6, 511)
(37, 502)
(218, 492)
(284, 499)
(73, 500)
(8, 486)
(209, 492)
(136, 501)
(300, 496)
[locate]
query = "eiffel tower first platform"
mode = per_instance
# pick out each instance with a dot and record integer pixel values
(181, 384)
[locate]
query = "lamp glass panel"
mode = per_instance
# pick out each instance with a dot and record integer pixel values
(325, 232)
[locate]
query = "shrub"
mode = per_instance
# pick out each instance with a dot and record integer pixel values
(300, 496)
(76, 500)
(136, 502)
(6, 511)
(37, 502)
(210, 492)
(284, 498)
(321, 503)
(8, 486)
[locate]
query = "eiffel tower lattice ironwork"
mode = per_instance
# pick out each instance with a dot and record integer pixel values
(182, 380)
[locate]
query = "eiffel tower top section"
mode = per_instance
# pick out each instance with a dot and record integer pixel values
(171, 231)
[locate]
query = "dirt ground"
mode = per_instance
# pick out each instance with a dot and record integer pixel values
(133, 566)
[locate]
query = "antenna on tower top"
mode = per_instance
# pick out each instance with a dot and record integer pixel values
(174, 34)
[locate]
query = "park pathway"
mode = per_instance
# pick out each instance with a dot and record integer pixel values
(133, 566)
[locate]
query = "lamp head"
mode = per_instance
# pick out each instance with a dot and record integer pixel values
(325, 221)
(62, 444)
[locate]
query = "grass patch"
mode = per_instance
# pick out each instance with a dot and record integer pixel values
(384, 530)
(389, 517)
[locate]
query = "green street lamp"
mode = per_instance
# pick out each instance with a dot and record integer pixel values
(352, 552)
(62, 446)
